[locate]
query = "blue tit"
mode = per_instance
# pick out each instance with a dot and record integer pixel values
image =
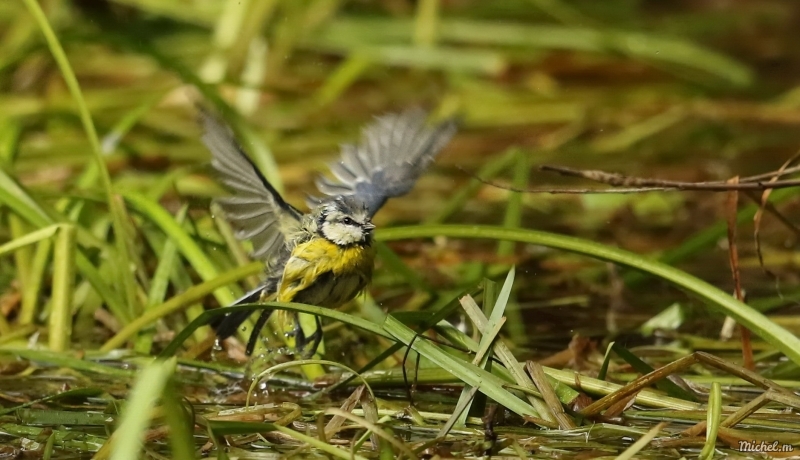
(323, 257)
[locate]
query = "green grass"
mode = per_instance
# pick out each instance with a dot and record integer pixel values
(112, 258)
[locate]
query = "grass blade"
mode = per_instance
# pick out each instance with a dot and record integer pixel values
(759, 324)
(665, 385)
(488, 384)
(127, 439)
(180, 426)
(712, 421)
(78, 393)
(60, 322)
(178, 302)
(30, 238)
(203, 319)
(159, 284)
(185, 243)
(641, 443)
(117, 211)
(489, 333)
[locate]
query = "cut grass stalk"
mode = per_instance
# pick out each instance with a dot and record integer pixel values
(511, 372)
(556, 410)
(516, 371)
(481, 359)
(665, 385)
(712, 422)
(337, 421)
(60, 321)
(677, 366)
(502, 351)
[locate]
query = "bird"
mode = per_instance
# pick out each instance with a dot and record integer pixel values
(325, 256)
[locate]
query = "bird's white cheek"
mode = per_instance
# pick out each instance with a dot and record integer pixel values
(341, 234)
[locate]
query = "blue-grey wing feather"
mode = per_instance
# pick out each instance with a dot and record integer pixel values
(394, 151)
(255, 209)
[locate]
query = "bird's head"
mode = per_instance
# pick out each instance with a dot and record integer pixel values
(345, 221)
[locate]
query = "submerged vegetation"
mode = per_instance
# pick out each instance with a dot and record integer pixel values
(504, 318)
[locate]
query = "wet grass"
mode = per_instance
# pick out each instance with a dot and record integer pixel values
(498, 323)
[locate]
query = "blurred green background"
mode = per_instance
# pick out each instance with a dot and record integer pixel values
(685, 90)
(110, 244)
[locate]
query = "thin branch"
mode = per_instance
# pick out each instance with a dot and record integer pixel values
(629, 184)
(648, 185)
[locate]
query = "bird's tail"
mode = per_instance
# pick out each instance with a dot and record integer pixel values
(301, 332)
(226, 325)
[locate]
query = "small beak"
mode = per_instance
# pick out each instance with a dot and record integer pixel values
(368, 226)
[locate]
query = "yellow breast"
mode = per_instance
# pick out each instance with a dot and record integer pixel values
(321, 273)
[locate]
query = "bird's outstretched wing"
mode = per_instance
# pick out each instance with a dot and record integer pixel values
(394, 151)
(256, 211)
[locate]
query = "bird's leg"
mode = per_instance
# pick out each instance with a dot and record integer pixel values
(297, 333)
(307, 344)
(260, 322)
(316, 337)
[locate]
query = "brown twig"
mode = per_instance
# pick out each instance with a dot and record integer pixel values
(629, 184)
(763, 204)
(621, 180)
(679, 365)
(733, 255)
